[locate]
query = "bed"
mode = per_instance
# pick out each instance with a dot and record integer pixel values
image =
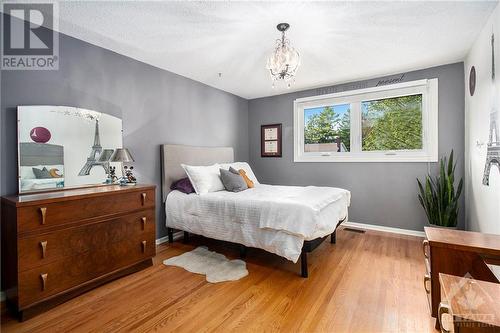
(268, 217)
(34, 155)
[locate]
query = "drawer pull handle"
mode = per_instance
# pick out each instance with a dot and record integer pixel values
(144, 246)
(143, 219)
(143, 198)
(43, 210)
(425, 246)
(443, 308)
(427, 278)
(44, 280)
(44, 248)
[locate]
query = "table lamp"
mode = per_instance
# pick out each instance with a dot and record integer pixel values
(122, 155)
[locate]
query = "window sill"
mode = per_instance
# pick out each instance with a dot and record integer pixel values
(375, 159)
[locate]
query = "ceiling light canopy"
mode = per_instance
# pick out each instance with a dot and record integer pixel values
(285, 60)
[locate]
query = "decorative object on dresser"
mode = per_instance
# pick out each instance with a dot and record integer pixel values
(123, 155)
(56, 245)
(112, 176)
(270, 140)
(459, 253)
(471, 305)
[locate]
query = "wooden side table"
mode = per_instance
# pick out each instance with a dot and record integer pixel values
(460, 253)
(472, 305)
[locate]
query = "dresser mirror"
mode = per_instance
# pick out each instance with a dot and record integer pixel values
(61, 147)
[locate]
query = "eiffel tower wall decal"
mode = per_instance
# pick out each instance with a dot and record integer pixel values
(493, 146)
(97, 156)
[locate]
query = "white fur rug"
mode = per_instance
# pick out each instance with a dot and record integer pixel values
(215, 266)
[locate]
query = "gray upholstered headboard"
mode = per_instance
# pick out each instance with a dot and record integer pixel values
(31, 154)
(172, 156)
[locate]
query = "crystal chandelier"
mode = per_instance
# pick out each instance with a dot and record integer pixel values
(285, 60)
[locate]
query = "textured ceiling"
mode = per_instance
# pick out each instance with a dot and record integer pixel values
(338, 41)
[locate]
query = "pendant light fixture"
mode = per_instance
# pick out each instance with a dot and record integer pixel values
(285, 60)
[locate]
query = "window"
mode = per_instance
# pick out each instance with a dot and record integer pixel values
(327, 128)
(395, 123)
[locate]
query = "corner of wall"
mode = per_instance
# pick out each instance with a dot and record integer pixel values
(482, 206)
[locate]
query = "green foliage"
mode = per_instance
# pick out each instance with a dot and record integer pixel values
(345, 130)
(388, 124)
(321, 127)
(393, 123)
(438, 197)
(327, 125)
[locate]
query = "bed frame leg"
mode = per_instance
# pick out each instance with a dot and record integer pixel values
(303, 264)
(170, 233)
(333, 237)
(186, 237)
(243, 251)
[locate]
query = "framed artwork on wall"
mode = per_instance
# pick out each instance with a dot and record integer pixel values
(270, 140)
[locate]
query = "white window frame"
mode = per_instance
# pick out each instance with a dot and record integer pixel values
(429, 153)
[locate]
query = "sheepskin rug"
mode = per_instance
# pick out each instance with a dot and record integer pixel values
(215, 266)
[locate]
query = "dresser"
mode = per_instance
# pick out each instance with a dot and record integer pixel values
(459, 253)
(56, 245)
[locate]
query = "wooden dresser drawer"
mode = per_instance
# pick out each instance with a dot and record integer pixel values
(42, 249)
(47, 280)
(427, 275)
(37, 217)
(59, 244)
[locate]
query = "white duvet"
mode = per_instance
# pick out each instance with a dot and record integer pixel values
(275, 218)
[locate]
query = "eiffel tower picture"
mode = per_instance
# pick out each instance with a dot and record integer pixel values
(493, 148)
(98, 156)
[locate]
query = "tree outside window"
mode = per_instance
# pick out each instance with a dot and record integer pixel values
(392, 124)
(327, 129)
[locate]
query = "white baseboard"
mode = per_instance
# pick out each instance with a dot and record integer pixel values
(384, 229)
(179, 234)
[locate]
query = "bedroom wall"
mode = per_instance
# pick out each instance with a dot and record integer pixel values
(383, 194)
(156, 106)
(483, 202)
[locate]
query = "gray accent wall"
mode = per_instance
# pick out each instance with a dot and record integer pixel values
(156, 106)
(383, 194)
(160, 107)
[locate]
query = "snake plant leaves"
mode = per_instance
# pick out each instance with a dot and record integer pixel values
(438, 196)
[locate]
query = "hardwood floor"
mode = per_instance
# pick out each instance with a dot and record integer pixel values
(367, 282)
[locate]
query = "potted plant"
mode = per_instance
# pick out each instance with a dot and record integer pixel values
(439, 197)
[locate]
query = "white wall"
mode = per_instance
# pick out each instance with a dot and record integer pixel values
(482, 202)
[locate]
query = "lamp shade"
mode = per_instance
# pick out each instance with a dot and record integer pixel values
(121, 155)
(105, 155)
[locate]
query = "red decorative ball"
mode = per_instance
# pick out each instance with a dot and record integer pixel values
(40, 134)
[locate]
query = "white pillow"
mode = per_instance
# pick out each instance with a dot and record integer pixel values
(204, 179)
(244, 166)
(26, 172)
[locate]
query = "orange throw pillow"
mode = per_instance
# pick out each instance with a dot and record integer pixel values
(245, 177)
